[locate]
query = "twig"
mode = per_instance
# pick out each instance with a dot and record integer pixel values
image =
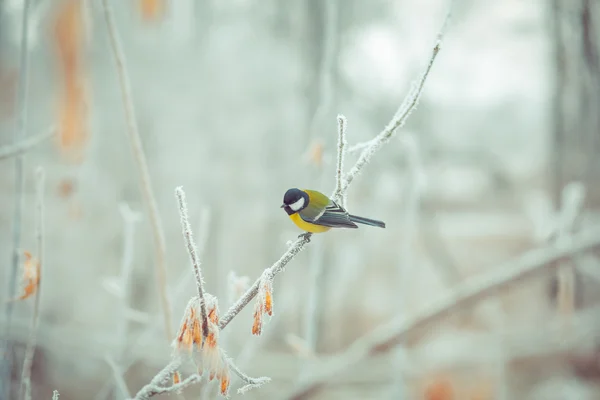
(251, 383)
(193, 252)
(21, 147)
(531, 264)
(154, 387)
(276, 268)
(25, 390)
(118, 374)
(404, 111)
(55, 395)
(140, 158)
(339, 195)
(19, 136)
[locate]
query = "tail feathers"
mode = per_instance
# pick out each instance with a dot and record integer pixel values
(367, 221)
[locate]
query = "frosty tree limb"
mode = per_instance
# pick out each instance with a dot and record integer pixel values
(193, 252)
(155, 386)
(55, 395)
(140, 158)
(25, 390)
(404, 111)
(339, 194)
(251, 383)
(531, 264)
(24, 145)
(275, 269)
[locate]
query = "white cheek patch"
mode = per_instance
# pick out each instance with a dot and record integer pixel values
(298, 204)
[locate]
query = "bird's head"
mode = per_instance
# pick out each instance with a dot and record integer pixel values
(294, 200)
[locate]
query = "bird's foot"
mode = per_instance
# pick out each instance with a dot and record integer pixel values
(306, 236)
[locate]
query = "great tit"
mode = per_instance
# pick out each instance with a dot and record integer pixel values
(314, 212)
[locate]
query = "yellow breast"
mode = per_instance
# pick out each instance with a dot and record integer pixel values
(307, 226)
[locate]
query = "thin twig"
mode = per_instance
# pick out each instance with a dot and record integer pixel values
(339, 195)
(155, 386)
(19, 136)
(118, 374)
(251, 383)
(193, 252)
(25, 390)
(275, 269)
(404, 111)
(23, 146)
(55, 395)
(140, 158)
(531, 264)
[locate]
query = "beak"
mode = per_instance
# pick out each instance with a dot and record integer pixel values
(283, 205)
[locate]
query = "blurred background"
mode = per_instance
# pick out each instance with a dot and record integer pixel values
(237, 101)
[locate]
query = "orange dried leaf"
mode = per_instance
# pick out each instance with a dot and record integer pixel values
(213, 317)
(225, 383)
(316, 154)
(73, 134)
(268, 302)
(197, 332)
(31, 276)
(439, 389)
(176, 378)
(68, 36)
(151, 10)
(257, 325)
(66, 187)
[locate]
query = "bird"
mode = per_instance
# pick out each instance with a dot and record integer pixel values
(314, 212)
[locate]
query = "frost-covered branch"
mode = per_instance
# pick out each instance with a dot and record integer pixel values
(193, 252)
(140, 158)
(531, 264)
(18, 148)
(295, 248)
(251, 383)
(25, 390)
(156, 384)
(339, 195)
(55, 395)
(406, 108)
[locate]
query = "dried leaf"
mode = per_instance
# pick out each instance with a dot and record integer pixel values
(151, 10)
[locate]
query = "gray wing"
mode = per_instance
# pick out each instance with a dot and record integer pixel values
(333, 216)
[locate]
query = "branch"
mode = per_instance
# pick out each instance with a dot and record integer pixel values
(270, 273)
(531, 264)
(339, 195)
(22, 146)
(25, 390)
(155, 386)
(251, 383)
(191, 246)
(406, 108)
(55, 395)
(140, 158)
(19, 135)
